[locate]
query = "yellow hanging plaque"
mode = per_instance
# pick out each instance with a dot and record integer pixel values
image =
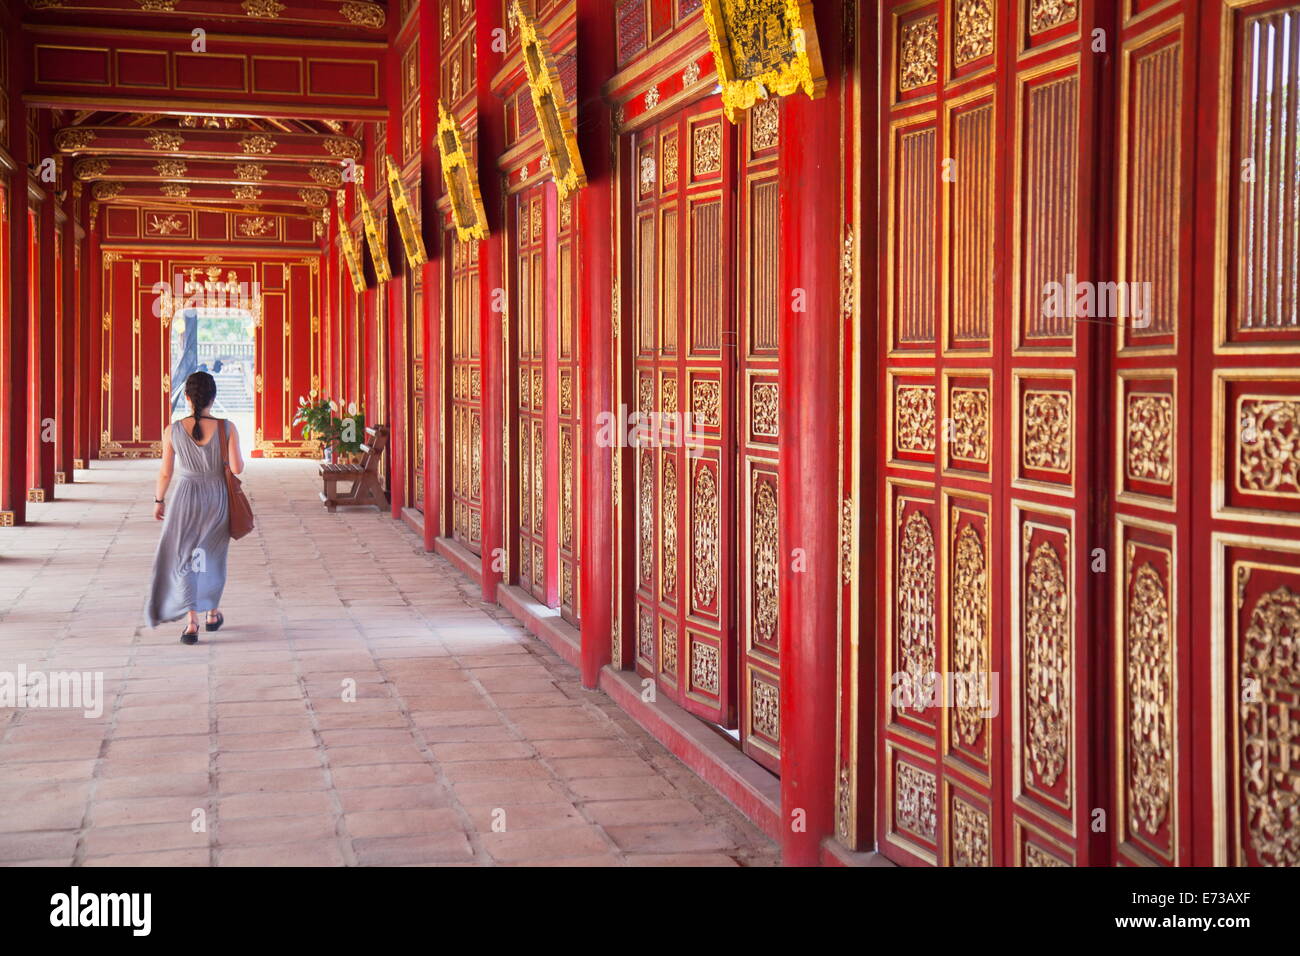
(763, 48)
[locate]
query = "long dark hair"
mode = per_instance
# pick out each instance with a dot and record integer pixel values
(201, 390)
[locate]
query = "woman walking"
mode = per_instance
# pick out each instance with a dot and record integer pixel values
(189, 568)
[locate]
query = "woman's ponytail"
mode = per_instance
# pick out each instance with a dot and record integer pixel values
(201, 390)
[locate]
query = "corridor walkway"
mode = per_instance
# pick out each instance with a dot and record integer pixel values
(469, 741)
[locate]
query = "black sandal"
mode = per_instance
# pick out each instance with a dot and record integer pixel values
(190, 637)
(216, 625)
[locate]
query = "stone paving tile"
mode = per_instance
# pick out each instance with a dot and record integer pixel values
(360, 707)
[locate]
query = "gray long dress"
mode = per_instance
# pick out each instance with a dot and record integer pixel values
(189, 568)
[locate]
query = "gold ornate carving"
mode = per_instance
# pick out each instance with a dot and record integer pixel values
(706, 149)
(668, 396)
(1271, 461)
(1149, 451)
(645, 507)
(250, 172)
(914, 801)
(918, 53)
(763, 48)
(647, 174)
(970, 628)
(462, 180)
(256, 226)
(325, 175)
(164, 226)
(704, 530)
(263, 9)
(970, 835)
(162, 141)
(974, 31)
(667, 648)
(73, 138)
(412, 242)
(765, 410)
(766, 556)
(1037, 856)
(1150, 698)
(314, 197)
(915, 602)
(914, 418)
(246, 193)
(706, 401)
(566, 490)
(1047, 692)
(846, 540)
(257, 144)
(1270, 728)
(765, 707)
(1047, 14)
(704, 667)
(1047, 431)
(170, 168)
(652, 97)
(668, 519)
(670, 160)
(106, 190)
(691, 75)
(174, 190)
(645, 645)
(765, 125)
(970, 424)
(843, 803)
(91, 168)
(363, 14)
(550, 105)
(342, 147)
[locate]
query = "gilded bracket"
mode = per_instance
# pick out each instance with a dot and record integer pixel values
(378, 249)
(549, 103)
(349, 247)
(763, 48)
(467, 210)
(411, 241)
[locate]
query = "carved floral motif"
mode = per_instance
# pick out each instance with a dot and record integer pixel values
(918, 56)
(1047, 691)
(1269, 459)
(1046, 14)
(970, 836)
(914, 418)
(914, 801)
(1047, 431)
(970, 424)
(974, 37)
(1269, 725)
(704, 513)
(970, 628)
(766, 558)
(704, 667)
(1150, 700)
(914, 602)
(1149, 427)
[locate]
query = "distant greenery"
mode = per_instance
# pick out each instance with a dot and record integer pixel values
(225, 329)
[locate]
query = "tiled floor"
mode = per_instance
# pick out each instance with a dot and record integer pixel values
(468, 742)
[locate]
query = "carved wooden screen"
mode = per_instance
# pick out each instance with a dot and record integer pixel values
(568, 412)
(682, 240)
(1150, 674)
(1246, 382)
(757, 431)
(986, 192)
(466, 389)
(530, 354)
(415, 409)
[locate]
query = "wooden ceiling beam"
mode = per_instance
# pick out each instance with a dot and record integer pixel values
(231, 145)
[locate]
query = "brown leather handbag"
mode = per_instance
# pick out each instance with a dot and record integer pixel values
(241, 512)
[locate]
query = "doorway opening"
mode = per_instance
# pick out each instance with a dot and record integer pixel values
(219, 342)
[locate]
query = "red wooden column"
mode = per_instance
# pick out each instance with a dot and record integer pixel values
(13, 374)
(44, 407)
(594, 314)
(397, 305)
(491, 276)
(435, 523)
(808, 498)
(86, 388)
(66, 408)
(92, 266)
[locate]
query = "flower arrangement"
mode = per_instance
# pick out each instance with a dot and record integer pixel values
(340, 435)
